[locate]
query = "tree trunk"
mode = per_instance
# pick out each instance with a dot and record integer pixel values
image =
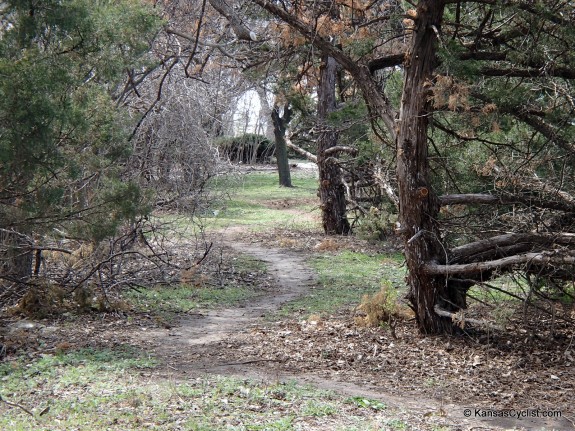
(280, 126)
(266, 113)
(419, 205)
(331, 188)
(16, 256)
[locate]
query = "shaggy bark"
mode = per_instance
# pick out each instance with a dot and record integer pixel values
(331, 187)
(419, 206)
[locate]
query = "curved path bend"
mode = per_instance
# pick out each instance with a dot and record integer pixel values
(196, 334)
(293, 278)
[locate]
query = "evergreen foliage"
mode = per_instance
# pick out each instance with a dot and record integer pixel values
(247, 148)
(63, 140)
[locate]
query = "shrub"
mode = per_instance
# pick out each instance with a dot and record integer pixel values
(248, 148)
(377, 224)
(381, 308)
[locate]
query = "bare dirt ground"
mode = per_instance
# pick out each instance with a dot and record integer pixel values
(428, 382)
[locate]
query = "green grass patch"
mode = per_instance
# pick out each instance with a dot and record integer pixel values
(264, 186)
(257, 200)
(396, 424)
(344, 278)
(258, 218)
(70, 368)
(87, 400)
(80, 389)
(366, 403)
(169, 300)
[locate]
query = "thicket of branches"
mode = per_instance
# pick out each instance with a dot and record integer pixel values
(88, 152)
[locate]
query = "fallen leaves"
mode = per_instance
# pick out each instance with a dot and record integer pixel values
(459, 369)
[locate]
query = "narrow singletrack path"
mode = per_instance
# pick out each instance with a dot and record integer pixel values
(199, 345)
(292, 277)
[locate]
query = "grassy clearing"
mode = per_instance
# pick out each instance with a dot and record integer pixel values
(252, 199)
(258, 201)
(263, 186)
(75, 386)
(344, 278)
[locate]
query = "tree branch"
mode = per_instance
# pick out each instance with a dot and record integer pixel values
(341, 149)
(496, 243)
(11, 404)
(554, 257)
(460, 320)
(479, 55)
(487, 199)
(524, 114)
(524, 5)
(559, 72)
(385, 62)
(192, 38)
(240, 29)
(311, 157)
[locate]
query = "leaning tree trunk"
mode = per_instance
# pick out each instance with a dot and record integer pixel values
(418, 203)
(280, 126)
(331, 188)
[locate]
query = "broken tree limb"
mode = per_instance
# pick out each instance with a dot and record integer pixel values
(311, 157)
(460, 320)
(392, 60)
(556, 257)
(487, 199)
(497, 243)
(382, 179)
(341, 149)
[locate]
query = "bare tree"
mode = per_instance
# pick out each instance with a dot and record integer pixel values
(173, 155)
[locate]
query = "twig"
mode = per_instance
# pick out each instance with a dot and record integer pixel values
(11, 404)
(205, 254)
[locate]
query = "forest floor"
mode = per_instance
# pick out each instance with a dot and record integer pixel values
(378, 378)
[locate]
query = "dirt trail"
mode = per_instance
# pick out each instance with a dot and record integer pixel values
(199, 346)
(292, 276)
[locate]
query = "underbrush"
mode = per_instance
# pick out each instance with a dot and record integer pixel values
(383, 308)
(219, 283)
(223, 279)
